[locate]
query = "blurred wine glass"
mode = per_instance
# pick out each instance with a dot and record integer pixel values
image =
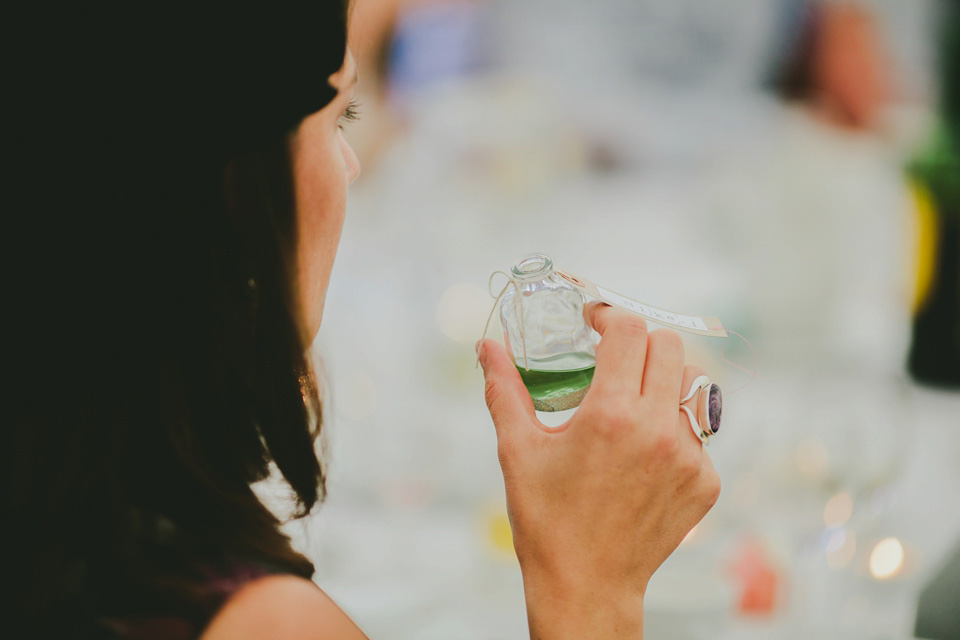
(834, 445)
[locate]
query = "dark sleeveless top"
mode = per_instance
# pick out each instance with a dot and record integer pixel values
(217, 582)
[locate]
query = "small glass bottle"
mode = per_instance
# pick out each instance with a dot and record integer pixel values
(545, 332)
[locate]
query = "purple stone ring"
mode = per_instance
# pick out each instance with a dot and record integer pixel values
(707, 408)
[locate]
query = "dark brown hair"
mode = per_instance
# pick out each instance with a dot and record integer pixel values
(791, 76)
(157, 356)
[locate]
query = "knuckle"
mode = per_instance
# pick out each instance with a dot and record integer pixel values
(594, 314)
(689, 464)
(614, 418)
(711, 487)
(492, 390)
(663, 445)
(693, 371)
(680, 456)
(607, 318)
(667, 339)
(632, 326)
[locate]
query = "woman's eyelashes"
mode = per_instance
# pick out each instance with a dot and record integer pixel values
(350, 114)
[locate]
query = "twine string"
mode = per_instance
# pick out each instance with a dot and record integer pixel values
(756, 362)
(518, 309)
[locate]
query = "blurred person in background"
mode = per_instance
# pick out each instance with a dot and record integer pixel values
(833, 64)
(818, 203)
(402, 46)
(816, 211)
(813, 211)
(184, 188)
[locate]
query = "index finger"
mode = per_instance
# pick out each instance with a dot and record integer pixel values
(622, 352)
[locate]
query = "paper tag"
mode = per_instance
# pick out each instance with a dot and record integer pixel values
(700, 325)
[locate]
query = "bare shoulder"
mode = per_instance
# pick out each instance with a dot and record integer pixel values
(281, 606)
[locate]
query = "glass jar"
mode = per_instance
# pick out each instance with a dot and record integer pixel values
(545, 332)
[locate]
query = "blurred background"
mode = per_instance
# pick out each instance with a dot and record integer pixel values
(790, 167)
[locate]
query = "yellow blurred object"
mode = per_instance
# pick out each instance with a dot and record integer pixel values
(925, 247)
(499, 532)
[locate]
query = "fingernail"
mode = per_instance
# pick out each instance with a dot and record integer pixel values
(481, 357)
(476, 347)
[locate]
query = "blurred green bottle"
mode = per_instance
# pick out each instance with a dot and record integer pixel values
(934, 173)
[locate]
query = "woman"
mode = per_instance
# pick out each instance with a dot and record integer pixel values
(187, 184)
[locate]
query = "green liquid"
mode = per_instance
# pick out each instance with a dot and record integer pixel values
(557, 389)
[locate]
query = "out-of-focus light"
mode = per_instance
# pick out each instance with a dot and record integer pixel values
(462, 310)
(841, 546)
(838, 510)
(813, 459)
(886, 559)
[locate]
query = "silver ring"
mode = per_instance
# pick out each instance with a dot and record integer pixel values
(708, 404)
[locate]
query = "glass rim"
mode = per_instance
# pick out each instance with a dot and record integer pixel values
(532, 267)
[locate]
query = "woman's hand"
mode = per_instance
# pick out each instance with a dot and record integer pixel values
(597, 504)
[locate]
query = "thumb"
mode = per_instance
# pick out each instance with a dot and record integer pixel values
(507, 398)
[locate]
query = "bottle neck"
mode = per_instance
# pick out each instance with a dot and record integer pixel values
(532, 268)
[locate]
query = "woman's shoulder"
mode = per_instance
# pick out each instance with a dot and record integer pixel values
(281, 606)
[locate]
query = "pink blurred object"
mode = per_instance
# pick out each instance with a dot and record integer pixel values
(757, 578)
